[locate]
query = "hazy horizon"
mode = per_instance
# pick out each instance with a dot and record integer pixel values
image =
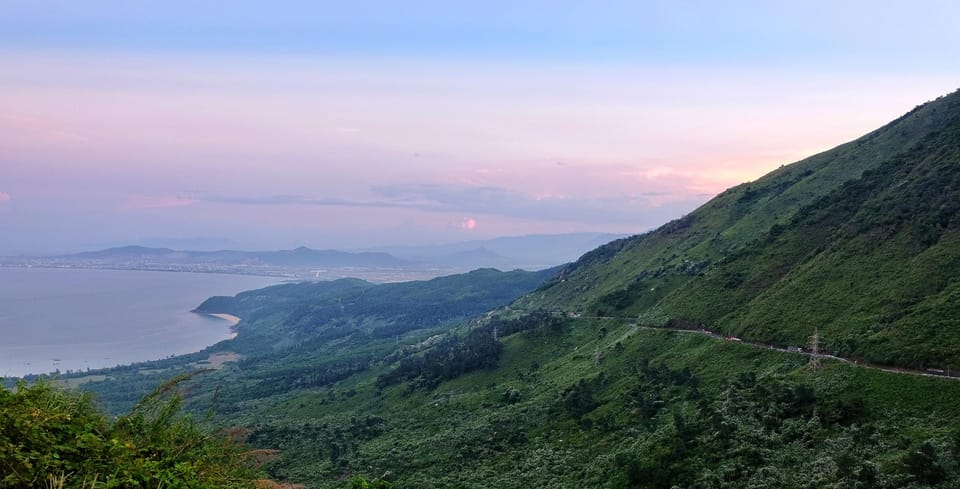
(207, 243)
(346, 127)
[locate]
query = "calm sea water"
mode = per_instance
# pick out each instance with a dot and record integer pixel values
(71, 319)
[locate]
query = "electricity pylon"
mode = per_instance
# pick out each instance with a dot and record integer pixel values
(815, 349)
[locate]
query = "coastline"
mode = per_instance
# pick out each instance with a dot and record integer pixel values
(75, 320)
(234, 320)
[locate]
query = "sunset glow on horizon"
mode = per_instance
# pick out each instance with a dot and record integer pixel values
(329, 126)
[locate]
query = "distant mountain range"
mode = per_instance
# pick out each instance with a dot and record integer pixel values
(532, 252)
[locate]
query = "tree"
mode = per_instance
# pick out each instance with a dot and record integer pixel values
(359, 482)
(924, 465)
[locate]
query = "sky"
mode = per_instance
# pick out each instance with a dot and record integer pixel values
(346, 125)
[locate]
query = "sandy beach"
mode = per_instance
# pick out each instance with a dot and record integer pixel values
(229, 317)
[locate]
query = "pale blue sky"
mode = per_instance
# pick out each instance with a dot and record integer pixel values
(839, 34)
(336, 125)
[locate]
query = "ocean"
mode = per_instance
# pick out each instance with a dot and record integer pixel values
(73, 319)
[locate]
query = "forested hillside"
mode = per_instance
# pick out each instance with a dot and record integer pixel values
(282, 315)
(573, 403)
(875, 266)
(313, 334)
(860, 242)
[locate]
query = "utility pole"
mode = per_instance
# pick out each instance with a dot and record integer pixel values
(815, 349)
(495, 336)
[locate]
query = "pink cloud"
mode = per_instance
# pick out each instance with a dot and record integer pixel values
(5, 197)
(38, 130)
(653, 182)
(157, 202)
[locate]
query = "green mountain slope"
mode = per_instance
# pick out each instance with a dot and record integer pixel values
(579, 403)
(282, 315)
(874, 265)
(725, 224)
(859, 241)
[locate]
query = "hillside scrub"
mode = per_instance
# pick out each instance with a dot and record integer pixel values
(861, 242)
(602, 403)
(53, 438)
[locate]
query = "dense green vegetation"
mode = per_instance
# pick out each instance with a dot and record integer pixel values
(309, 335)
(598, 403)
(874, 266)
(282, 315)
(57, 439)
(586, 403)
(860, 241)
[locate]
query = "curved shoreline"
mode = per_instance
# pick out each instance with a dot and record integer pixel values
(234, 320)
(102, 319)
(215, 358)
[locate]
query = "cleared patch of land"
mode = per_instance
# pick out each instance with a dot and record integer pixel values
(217, 360)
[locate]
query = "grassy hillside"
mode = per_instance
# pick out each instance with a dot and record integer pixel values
(587, 403)
(874, 266)
(859, 241)
(683, 248)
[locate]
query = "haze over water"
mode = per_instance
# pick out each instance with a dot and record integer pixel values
(74, 319)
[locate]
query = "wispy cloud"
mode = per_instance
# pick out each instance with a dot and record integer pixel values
(295, 200)
(636, 209)
(157, 201)
(640, 209)
(36, 128)
(5, 197)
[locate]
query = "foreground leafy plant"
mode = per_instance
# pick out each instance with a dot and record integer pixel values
(54, 438)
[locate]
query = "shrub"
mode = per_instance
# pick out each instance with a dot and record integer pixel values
(51, 437)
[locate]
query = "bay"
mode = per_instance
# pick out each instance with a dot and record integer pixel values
(76, 319)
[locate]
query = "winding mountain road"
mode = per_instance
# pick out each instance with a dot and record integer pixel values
(931, 372)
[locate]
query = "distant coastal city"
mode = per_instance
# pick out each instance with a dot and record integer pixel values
(395, 264)
(146, 263)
